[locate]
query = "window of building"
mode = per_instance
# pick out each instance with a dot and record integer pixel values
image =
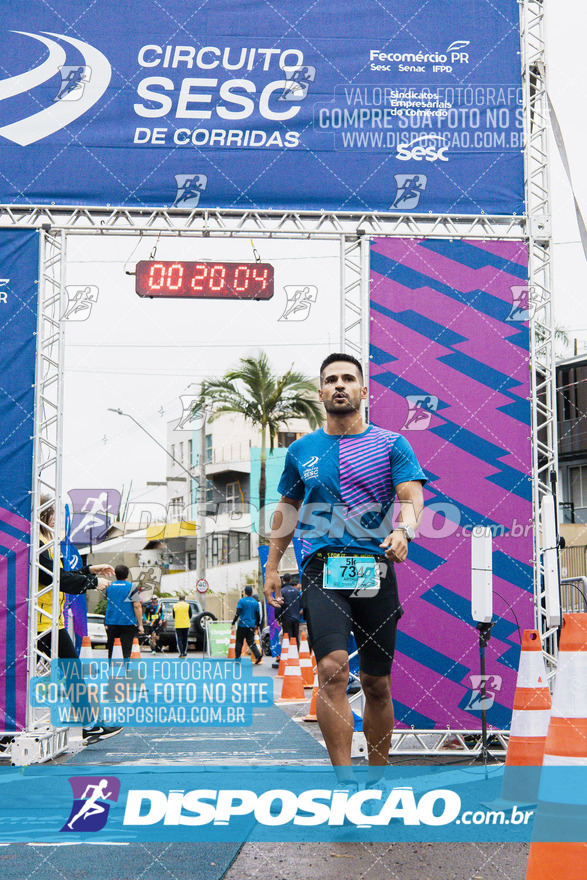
(173, 454)
(209, 449)
(175, 508)
(192, 560)
(190, 452)
(181, 452)
(225, 547)
(234, 498)
(578, 485)
(285, 438)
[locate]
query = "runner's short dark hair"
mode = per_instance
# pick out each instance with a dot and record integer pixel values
(340, 356)
(248, 590)
(122, 572)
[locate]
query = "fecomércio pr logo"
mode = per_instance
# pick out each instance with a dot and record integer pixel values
(78, 86)
(91, 796)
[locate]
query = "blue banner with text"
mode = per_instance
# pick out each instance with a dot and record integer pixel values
(410, 803)
(383, 105)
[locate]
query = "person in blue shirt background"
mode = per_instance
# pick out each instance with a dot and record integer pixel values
(249, 618)
(124, 611)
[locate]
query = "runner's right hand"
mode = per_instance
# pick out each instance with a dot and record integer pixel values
(273, 585)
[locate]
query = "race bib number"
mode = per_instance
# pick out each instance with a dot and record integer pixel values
(360, 574)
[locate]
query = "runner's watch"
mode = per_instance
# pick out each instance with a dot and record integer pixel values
(408, 532)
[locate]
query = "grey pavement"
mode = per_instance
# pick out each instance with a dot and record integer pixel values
(278, 736)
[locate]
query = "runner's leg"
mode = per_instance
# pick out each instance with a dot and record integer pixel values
(335, 717)
(378, 717)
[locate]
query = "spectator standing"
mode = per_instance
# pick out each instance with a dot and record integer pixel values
(290, 612)
(154, 618)
(182, 617)
(124, 611)
(74, 583)
(249, 618)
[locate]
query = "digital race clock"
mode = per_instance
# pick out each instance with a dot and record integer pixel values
(204, 280)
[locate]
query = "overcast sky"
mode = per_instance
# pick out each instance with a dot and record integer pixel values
(140, 355)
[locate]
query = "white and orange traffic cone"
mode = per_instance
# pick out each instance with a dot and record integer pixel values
(532, 705)
(283, 656)
(292, 690)
(232, 645)
(116, 663)
(117, 650)
(563, 807)
(312, 714)
(306, 662)
(85, 652)
(135, 653)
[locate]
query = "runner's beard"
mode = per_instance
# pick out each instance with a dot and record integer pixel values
(342, 409)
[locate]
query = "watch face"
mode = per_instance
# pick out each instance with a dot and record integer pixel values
(409, 532)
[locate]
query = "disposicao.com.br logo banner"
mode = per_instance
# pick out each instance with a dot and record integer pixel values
(433, 804)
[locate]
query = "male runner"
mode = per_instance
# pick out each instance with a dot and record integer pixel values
(345, 478)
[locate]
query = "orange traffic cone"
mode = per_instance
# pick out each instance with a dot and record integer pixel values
(532, 704)
(283, 657)
(306, 662)
(312, 715)
(232, 645)
(135, 654)
(85, 652)
(293, 685)
(564, 805)
(116, 663)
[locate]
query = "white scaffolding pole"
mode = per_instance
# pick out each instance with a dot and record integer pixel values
(542, 356)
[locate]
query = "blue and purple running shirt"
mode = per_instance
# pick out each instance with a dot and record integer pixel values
(347, 484)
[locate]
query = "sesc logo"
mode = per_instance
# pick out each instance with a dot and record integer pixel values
(80, 86)
(430, 147)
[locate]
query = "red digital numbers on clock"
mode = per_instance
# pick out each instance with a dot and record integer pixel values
(204, 280)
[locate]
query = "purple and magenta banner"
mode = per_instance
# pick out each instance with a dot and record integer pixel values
(19, 260)
(449, 370)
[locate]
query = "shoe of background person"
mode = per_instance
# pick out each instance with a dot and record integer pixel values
(100, 731)
(259, 660)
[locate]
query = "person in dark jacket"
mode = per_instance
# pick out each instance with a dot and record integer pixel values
(249, 618)
(289, 613)
(72, 582)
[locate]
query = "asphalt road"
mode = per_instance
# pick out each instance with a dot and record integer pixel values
(278, 736)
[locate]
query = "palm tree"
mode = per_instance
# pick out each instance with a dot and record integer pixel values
(266, 401)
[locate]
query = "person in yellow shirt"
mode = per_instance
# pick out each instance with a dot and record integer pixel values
(182, 617)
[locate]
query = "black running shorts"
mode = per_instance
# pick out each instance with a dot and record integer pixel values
(332, 614)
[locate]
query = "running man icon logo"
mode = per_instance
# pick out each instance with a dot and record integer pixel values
(299, 301)
(189, 189)
(73, 79)
(493, 685)
(80, 299)
(189, 416)
(522, 309)
(409, 189)
(297, 83)
(90, 807)
(420, 409)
